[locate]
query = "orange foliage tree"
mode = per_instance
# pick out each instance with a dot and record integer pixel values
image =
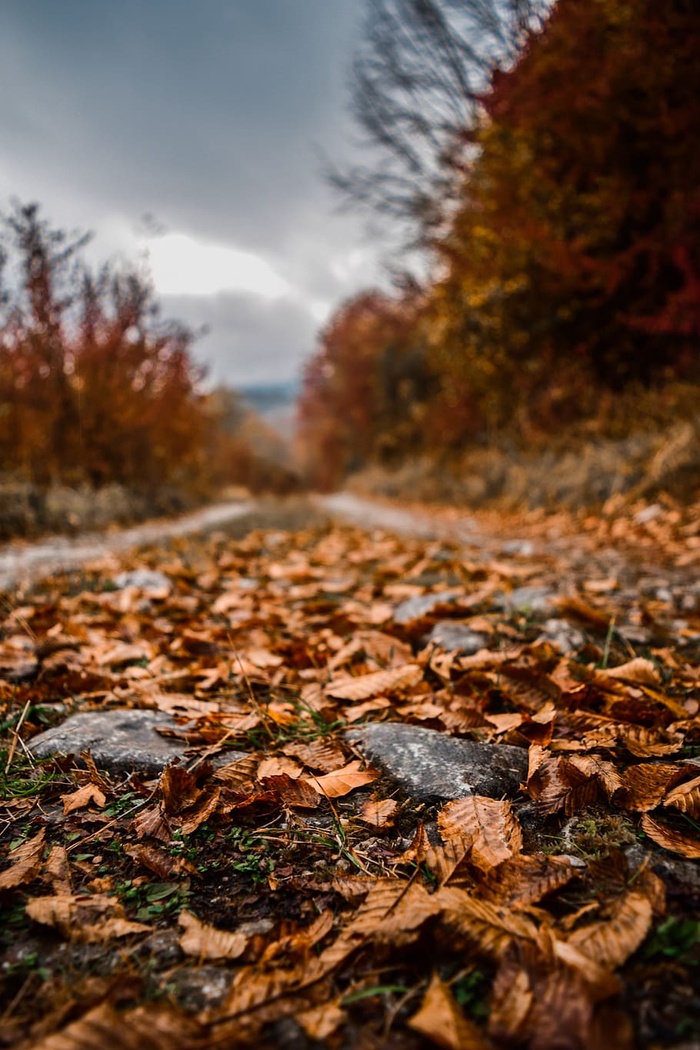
(365, 391)
(574, 257)
(93, 385)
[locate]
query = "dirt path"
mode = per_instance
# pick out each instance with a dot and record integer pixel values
(21, 561)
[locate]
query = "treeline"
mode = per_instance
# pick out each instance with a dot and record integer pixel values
(563, 227)
(97, 388)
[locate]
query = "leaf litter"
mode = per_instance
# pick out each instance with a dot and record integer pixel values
(273, 888)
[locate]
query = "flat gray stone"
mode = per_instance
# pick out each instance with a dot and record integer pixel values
(527, 600)
(144, 580)
(423, 605)
(430, 765)
(563, 635)
(121, 741)
(456, 638)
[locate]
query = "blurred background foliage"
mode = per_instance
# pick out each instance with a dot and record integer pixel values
(545, 159)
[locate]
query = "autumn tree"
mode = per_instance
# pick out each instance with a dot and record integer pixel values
(577, 242)
(416, 92)
(95, 386)
(365, 391)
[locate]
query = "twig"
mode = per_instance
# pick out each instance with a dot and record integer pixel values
(16, 740)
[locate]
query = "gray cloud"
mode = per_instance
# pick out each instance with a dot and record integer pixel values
(210, 116)
(250, 340)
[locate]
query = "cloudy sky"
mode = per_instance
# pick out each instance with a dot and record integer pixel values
(210, 116)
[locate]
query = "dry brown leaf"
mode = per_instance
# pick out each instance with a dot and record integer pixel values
(529, 687)
(686, 798)
(82, 918)
(341, 781)
(442, 1021)
(179, 789)
(611, 942)
(676, 841)
(239, 776)
(539, 1001)
(317, 755)
(57, 870)
(159, 861)
(379, 813)
(649, 743)
(206, 942)
(321, 1022)
(576, 608)
(366, 686)
(157, 1027)
(207, 804)
(524, 880)
(153, 823)
(83, 797)
(637, 672)
(26, 862)
(490, 928)
(275, 767)
(490, 824)
(644, 786)
(295, 792)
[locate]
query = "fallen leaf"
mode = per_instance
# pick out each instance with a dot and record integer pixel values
(489, 823)
(379, 812)
(442, 1021)
(83, 918)
(83, 797)
(611, 942)
(341, 781)
(365, 686)
(207, 942)
(26, 862)
(669, 838)
(685, 797)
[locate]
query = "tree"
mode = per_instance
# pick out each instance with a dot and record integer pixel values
(365, 391)
(416, 91)
(94, 385)
(577, 242)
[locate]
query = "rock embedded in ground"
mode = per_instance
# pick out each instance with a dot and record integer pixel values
(120, 741)
(145, 580)
(423, 604)
(432, 765)
(563, 635)
(527, 600)
(456, 638)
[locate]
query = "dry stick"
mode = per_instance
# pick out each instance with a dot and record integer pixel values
(16, 740)
(100, 831)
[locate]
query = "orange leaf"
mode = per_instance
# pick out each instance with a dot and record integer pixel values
(490, 823)
(442, 1022)
(365, 686)
(206, 942)
(83, 797)
(341, 781)
(685, 797)
(26, 862)
(669, 838)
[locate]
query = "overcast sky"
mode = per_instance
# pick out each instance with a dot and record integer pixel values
(209, 116)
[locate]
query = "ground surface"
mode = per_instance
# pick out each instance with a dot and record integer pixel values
(295, 896)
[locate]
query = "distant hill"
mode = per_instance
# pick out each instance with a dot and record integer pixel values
(264, 398)
(275, 403)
